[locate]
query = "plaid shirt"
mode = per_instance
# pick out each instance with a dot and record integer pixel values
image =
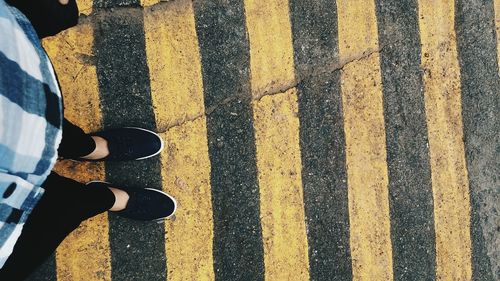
(30, 123)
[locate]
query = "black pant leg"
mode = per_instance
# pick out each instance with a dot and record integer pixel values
(75, 142)
(65, 204)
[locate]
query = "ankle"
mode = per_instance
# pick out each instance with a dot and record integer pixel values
(100, 151)
(121, 199)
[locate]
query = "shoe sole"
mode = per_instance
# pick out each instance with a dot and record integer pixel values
(162, 143)
(156, 190)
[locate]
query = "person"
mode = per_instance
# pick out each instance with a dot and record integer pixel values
(39, 208)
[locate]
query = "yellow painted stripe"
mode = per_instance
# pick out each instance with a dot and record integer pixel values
(271, 50)
(369, 220)
(174, 63)
(85, 6)
(85, 253)
(444, 123)
(177, 92)
(145, 3)
(281, 195)
(497, 26)
(277, 141)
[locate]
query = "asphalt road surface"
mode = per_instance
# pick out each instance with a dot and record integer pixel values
(305, 140)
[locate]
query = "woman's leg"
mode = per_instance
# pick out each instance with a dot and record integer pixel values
(65, 204)
(75, 142)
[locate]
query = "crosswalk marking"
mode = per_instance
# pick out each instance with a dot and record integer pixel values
(177, 93)
(370, 240)
(175, 78)
(281, 195)
(444, 125)
(271, 51)
(278, 151)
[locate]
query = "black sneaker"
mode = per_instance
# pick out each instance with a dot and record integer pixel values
(130, 143)
(144, 204)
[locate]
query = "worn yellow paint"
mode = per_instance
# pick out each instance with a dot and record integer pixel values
(281, 195)
(186, 175)
(277, 141)
(174, 63)
(271, 50)
(177, 93)
(84, 254)
(85, 6)
(145, 3)
(370, 239)
(444, 124)
(497, 26)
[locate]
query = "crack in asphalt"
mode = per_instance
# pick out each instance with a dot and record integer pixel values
(332, 65)
(329, 68)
